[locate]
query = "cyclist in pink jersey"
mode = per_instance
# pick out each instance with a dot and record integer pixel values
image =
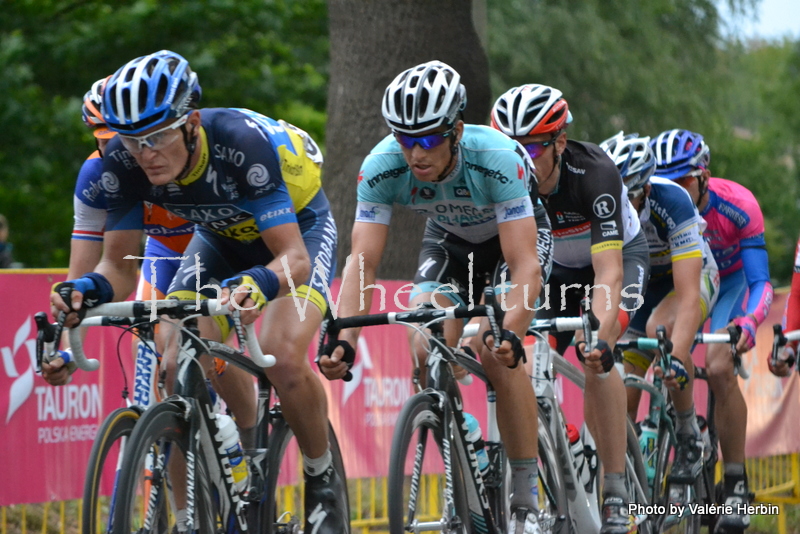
(735, 233)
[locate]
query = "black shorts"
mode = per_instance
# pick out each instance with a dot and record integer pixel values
(565, 302)
(445, 259)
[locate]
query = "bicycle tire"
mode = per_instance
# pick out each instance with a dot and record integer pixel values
(553, 499)
(116, 426)
(163, 422)
(688, 524)
(278, 442)
(421, 413)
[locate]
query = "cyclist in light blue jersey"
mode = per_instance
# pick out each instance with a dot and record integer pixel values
(478, 191)
(681, 291)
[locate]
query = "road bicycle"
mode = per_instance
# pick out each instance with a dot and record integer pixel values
(184, 425)
(681, 507)
(581, 501)
(107, 449)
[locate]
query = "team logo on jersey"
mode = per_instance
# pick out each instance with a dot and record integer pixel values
(604, 206)
(462, 192)
(257, 175)
(360, 176)
(110, 182)
(427, 193)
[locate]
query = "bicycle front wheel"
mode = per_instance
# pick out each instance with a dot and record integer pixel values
(154, 480)
(417, 497)
(283, 510)
(99, 487)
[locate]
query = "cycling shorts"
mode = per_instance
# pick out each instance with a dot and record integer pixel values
(565, 302)
(444, 261)
(165, 269)
(731, 300)
(222, 257)
(658, 291)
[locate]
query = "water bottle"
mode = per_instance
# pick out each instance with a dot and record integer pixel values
(578, 454)
(703, 424)
(475, 437)
(229, 436)
(647, 442)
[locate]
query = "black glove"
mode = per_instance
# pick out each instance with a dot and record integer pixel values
(516, 345)
(349, 356)
(606, 354)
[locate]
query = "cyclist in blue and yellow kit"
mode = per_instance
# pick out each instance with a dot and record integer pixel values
(681, 291)
(252, 185)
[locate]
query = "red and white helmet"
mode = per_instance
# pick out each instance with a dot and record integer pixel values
(424, 97)
(530, 110)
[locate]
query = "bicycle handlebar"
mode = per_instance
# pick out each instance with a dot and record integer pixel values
(732, 337)
(175, 309)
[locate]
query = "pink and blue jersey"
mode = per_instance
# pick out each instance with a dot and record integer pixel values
(735, 233)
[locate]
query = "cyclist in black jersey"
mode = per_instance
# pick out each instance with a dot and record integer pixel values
(222, 169)
(592, 225)
(477, 189)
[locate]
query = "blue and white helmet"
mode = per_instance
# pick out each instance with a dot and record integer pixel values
(633, 157)
(148, 91)
(424, 97)
(679, 152)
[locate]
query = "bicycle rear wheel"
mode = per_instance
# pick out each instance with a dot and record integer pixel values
(154, 469)
(410, 491)
(283, 511)
(99, 487)
(665, 494)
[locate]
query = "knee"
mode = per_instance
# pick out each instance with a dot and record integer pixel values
(720, 370)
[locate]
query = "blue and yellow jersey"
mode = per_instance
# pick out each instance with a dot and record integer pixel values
(673, 227)
(254, 173)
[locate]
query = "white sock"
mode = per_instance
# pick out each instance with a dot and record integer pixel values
(316, 466)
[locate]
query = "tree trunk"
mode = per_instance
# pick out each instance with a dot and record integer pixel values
(371, 42)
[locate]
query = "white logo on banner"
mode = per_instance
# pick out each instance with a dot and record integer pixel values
(22, 387)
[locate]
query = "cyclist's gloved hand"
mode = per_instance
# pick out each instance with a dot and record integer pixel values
(58, 370)
(517, 350)
(787, 356)
(94, 289)
(678, 373)
(263, 284)
(606, 353)
(748, 326)
(348, 358)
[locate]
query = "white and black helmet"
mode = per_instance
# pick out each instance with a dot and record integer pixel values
(424, 97)
(530, 110)
(633, 157)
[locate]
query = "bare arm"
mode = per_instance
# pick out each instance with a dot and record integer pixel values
(84, 256)
(686, 279)
(607, 266)
(518, 242)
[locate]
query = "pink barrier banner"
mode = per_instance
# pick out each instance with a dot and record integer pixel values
(48, 431)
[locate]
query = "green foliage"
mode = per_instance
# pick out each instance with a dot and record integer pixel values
(650, 66)
(270, 56)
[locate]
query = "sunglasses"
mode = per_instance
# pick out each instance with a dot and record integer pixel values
(537, 149)
(158, 140)
(427, 142)
(697, 173)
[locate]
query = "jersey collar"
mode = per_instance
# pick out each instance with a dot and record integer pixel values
(202, 162)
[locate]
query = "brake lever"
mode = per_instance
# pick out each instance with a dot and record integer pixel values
(45, 334)
(736, 332)
(665, 347)
(494, 313)
(590, 324)
(778, 341)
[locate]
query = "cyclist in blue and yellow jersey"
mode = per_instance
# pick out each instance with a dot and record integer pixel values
(599, 248)
(735, 233)
(681, 292)
(476, 187)
(253, 187)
